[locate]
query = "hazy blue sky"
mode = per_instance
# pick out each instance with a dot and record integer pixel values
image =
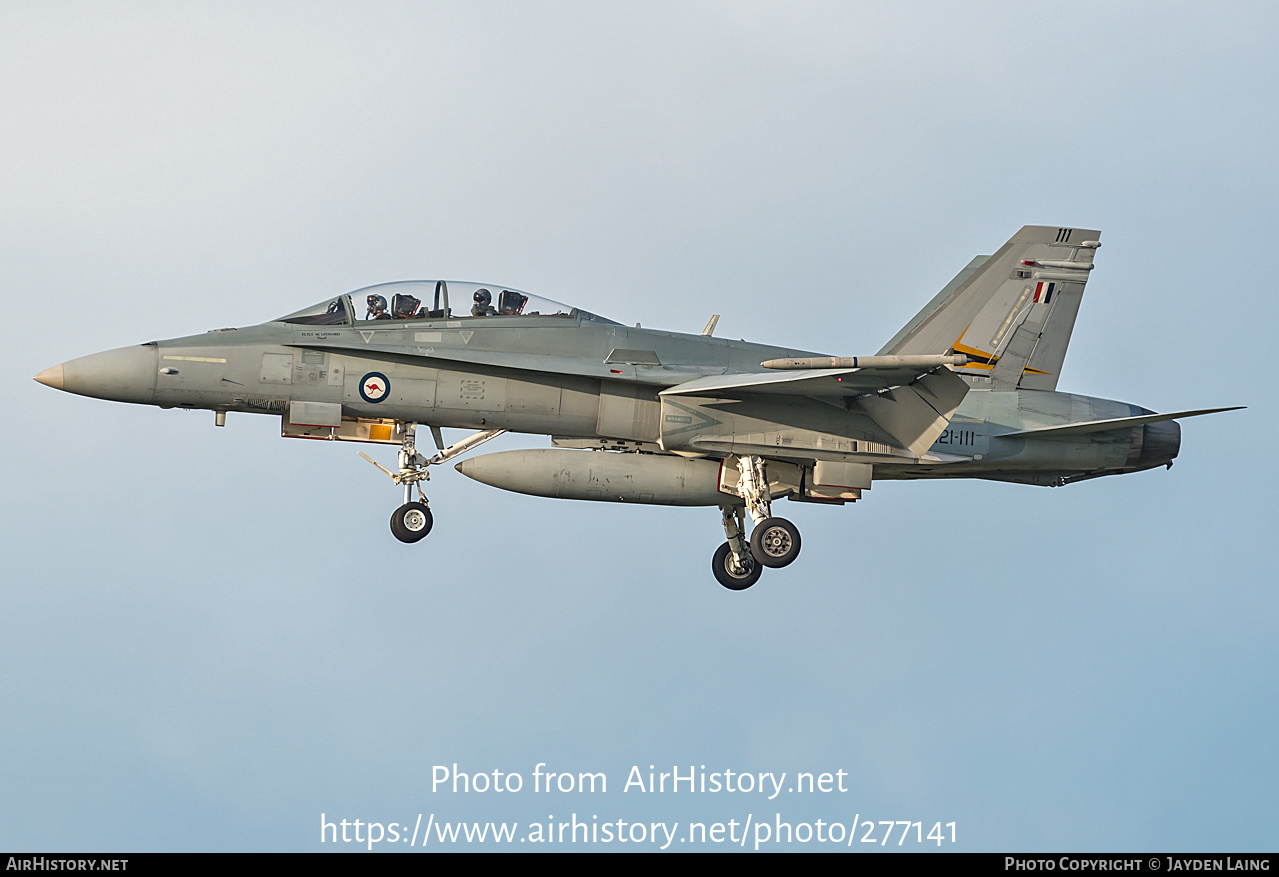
(208, 637)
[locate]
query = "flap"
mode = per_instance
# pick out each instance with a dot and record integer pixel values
(916, 414)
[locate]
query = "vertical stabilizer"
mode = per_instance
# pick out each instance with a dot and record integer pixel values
(1011, 313)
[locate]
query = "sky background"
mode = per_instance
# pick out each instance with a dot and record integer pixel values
(208, 637)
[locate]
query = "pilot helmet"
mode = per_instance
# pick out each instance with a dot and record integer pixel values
(483, 297)
(377, 304)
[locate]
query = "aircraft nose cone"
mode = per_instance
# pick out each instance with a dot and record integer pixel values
(51, 377)
(123, 375)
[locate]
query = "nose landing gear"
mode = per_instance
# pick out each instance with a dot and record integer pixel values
(413, 520)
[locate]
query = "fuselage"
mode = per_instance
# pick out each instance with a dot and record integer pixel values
(579, 376)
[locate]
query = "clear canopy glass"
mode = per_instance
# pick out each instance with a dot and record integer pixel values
(331, 312)
(432, 300)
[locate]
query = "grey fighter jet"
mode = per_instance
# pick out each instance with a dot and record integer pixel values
(967, 389)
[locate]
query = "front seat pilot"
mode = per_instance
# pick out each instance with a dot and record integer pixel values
(483, 306)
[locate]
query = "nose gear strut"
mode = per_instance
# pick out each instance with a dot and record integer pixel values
(413, 520)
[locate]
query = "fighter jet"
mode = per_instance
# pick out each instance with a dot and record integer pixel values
(966, 389)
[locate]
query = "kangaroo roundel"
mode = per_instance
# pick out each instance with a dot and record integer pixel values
(374, 386)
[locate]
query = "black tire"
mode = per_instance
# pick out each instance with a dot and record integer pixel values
(775, 542)
(411, 522)
(722, 566)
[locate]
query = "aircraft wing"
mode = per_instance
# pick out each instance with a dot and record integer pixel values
(1066, 430)
(913, 406)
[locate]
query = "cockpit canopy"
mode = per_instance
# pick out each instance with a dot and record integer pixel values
(431, 300)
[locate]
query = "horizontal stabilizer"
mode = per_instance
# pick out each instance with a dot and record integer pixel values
(1091, 426)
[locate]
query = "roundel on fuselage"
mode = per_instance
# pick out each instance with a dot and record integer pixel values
(374, 387)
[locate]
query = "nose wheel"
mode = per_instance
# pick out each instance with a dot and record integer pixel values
(411, 521)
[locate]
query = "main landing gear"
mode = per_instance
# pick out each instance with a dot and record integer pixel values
(734, 566)
(774, 542)
(413, 520)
